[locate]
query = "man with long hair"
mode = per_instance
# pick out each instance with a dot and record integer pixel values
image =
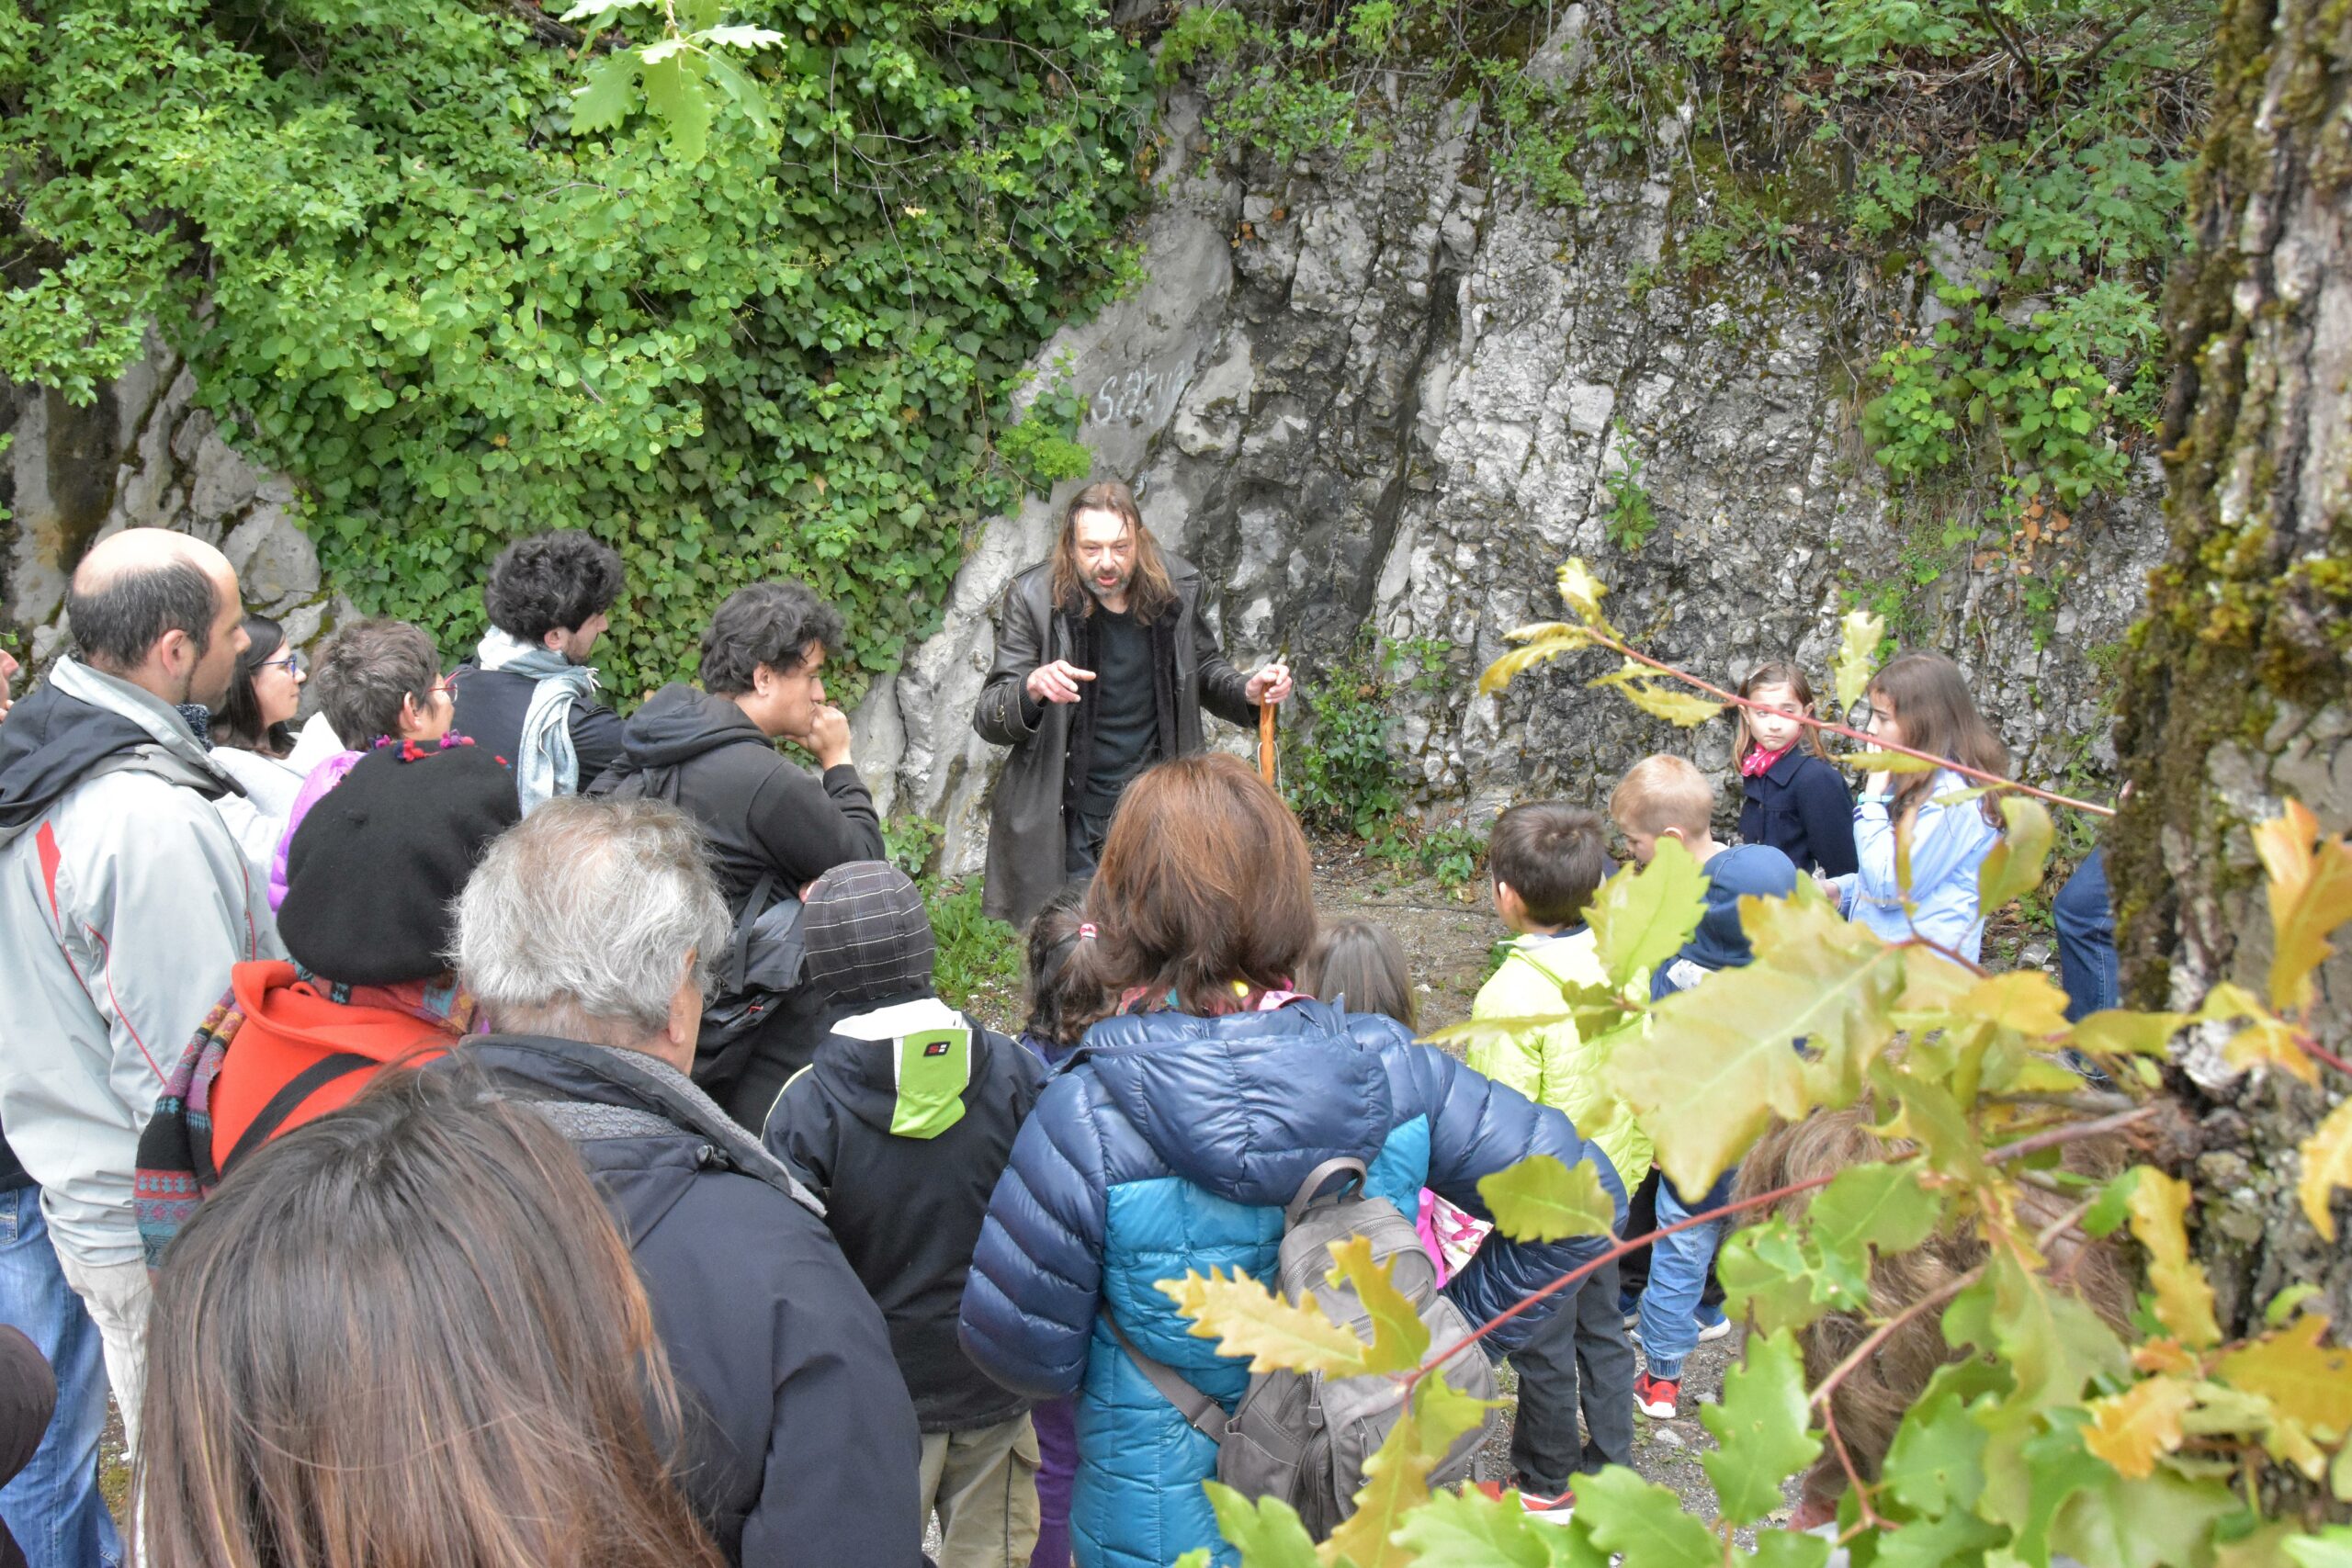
(1103, 666)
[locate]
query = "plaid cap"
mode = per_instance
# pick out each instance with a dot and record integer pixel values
(868, 936)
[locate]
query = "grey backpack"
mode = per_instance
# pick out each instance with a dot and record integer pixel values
(1304, 1437)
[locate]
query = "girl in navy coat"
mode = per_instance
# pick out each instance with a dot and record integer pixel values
(1173, 1136)
(1796, 799)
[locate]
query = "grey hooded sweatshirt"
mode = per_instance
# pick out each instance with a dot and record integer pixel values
(124, 900)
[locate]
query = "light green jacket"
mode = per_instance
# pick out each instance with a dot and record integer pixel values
(1552, 1066)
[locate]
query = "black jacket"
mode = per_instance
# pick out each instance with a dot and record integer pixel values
(1801, 807)
(907, 1205)
(800, 1444)
(760, 812)
(490, 704)
(1026, 832)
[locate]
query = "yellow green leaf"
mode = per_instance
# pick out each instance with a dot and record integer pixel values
(1267, 1531)
(1581, 591)
(1659, 698)
(1641, 915)
(1761, 1428)
(2022, 999)
(1540, 1200)
(2308, 1386)
(1249, 1320)
(2327, 1164)
(1469, 1529)
(1472, 1031)
(2015, 864)
(1543, 631)
(1399, 1338)
(1885, 762)
(2159, 1207)
(1396, 1477)
(1859, 635)
(2269, 1042)
(1720, 1062)
(1643, 1521)
(2310, 895)
(1503, 671)
(2116, 1031)
(2130, 1430)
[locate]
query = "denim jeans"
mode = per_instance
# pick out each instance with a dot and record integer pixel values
(52, 1507)
(1678, 1266)
(2085, 920)
(1579, 1357)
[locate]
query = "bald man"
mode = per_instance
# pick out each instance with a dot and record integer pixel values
(124, 900)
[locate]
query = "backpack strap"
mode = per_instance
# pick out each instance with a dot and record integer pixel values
(290, 1096)
(1205, 1415)
(739, 951)
(1309, 1189)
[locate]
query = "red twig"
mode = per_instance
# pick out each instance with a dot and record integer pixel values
(1872, 741)
(2072, 1133)
(1885, 1331)
(2320, 1053)
(1854, 1482)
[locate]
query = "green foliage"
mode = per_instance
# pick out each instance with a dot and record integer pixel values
(979, 966)
(1629, 521)
(743, 300)
(1338, 771)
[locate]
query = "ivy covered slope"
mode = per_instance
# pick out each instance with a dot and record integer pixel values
(1990, 190)
(767, 317)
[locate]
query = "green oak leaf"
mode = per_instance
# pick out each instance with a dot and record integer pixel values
(1539, 1199)
(1469, 1529)
(1645, 1522)
(2016, 864)
(1265, 1531)
(1936, 1460)
(1643, 915)
(1790, 1549)
(1761, 1428)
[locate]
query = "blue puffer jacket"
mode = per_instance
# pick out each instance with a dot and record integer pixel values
(1170, 1143)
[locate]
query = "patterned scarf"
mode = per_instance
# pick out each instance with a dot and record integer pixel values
(1758, 762)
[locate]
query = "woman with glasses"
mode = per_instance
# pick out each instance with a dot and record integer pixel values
(253, 737)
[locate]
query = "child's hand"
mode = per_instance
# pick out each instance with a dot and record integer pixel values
(1877, 784)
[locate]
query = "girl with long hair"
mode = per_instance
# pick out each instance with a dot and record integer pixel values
(253, 735)
(407, 1335)
(1920, 701)
(1793, 797)
(1213, 1097)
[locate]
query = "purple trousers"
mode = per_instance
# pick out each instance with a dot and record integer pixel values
(1056, 1424)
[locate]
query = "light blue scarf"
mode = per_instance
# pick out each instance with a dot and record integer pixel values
(546, 765)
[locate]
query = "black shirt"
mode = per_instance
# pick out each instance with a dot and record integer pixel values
(491, 706)
(1126, 720)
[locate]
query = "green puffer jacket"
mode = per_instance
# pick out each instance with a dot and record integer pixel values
(1553, 1066)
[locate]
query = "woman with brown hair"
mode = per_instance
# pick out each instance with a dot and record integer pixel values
(1175, 1137)
(1871, 1402)
(408, 1336)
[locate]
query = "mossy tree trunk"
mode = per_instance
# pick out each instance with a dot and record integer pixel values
(2239, 692)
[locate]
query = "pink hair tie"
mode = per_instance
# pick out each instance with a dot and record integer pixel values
(1086, 931)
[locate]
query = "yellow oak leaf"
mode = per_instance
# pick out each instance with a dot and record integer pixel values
(2162, 1356)
(2159, 1209)
(1859, 635)
(1399, 1338)
(1251, 1320)
(2327, 1164)
(2023, 999)
(2131, 1429)
(2308, 1386)
(2311, 895)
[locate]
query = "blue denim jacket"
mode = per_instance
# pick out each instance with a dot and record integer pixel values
(1948, 843)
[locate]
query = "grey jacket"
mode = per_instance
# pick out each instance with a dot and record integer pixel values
(1025, 841)
(122, 905)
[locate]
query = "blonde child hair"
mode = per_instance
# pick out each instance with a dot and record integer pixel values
(1662, 792)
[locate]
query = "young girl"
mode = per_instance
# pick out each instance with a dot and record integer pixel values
(1363, 962)
(1796, 799)
(1919, 700)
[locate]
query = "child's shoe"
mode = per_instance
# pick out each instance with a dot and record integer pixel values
(1657, 1398)
(1630, 1307)
(1712, 1324)
(1549, 1510)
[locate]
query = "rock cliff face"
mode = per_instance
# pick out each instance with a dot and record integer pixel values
(1389, 396)
(143, 455)
(1384, 396)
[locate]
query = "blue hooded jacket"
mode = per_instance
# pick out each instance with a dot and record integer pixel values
(1172, 1143)
(1721, 942)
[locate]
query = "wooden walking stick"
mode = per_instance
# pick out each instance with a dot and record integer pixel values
(1266, 741)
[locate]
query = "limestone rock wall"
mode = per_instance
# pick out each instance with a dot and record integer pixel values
(1391, 394)
(142, 455)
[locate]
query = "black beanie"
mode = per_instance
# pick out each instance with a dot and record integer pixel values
(373, 869)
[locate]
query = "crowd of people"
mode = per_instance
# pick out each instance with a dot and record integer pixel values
(473, 1127)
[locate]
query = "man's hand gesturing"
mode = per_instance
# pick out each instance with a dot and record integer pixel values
(1056, 683)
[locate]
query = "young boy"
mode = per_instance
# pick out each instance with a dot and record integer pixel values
(1666, 798)
(902, 1123)
(1546, 859)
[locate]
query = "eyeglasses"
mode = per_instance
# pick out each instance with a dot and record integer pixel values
(291, 662)
(445, 683)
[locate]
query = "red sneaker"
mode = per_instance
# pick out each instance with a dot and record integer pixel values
(1549, 1510)
(1658, 1398)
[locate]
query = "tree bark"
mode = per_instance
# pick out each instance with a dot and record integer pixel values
(2239, 690)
